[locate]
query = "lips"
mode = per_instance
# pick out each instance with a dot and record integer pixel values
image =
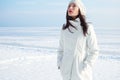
(70, 11)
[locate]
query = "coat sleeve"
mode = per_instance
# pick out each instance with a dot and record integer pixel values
(60, 50)
(92, 47)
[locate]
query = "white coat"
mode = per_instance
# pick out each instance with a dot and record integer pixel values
(77, 53)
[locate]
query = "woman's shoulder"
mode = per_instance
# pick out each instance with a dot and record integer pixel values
(90, 28)
(90, 25)
(64, 26)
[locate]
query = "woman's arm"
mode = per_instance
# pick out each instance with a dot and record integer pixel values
(92, 45)
(60, 51)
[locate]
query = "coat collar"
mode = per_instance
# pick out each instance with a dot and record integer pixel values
(75, 23)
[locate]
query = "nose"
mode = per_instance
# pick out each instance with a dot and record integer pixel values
(70, 7)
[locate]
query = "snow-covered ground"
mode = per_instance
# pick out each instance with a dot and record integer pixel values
(30, 53)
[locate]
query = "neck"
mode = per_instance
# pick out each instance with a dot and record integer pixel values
(74, 17)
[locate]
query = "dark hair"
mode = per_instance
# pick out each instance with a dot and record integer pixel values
(83, 23)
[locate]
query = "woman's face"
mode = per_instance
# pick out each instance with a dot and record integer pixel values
(73, 10)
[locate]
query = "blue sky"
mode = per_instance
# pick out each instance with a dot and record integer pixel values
(26, 13)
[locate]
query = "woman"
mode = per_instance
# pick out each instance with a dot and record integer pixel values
(78, 47)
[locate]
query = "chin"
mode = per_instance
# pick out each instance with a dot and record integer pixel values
(70, 15)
